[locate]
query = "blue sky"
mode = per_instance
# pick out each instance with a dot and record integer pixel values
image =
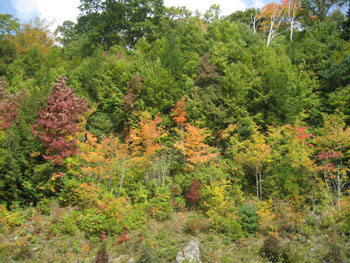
(6, 7)
(57, 11)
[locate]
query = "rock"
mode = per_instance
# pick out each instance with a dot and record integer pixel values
(190, 253)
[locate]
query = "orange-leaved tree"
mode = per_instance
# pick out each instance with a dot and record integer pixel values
(145, 143)
(273, 18)
(105, 161)
(179, 113)
(193, 146)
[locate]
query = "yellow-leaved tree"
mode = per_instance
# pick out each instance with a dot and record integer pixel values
(104, 162)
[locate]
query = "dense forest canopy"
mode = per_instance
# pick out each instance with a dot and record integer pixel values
(138, 110)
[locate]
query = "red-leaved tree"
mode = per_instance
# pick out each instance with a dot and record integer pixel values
(9, 104)
(194, 194)
(58, 123)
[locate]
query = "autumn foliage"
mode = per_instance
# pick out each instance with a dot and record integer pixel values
(58, 123)
(9, 104)
(179, 113)
(103, 160)
(193, 195)
(196, 151)
(145, 139)
(35, 34)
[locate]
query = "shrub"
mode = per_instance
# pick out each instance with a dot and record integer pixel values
(267, 217)
(12, 218)
(123, 238)
(136, 217)
(69, 194)
(249, 218)
(196, 223)
(22, 250)
(102, 254)
(161, 205)
(44, 206)
(194, 193)
(179, 203)
(93, 223)
(67, 224)
(148, 255)
(274, 251)
(229, 227)
(343, 217)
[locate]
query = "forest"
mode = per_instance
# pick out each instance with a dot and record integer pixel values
(139, 128)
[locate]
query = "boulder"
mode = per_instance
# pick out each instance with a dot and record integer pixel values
(190, 253)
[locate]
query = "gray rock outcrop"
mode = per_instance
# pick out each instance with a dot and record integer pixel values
(189, 253)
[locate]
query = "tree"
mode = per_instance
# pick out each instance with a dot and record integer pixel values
(195, 150)
(346, 25)
(9, 104)
(9, 26)
(274, 16)
(319, 9)
(103, 161)
(35, 34)
(66, 33)
(58, 123)
(145, 144)
(255, 154)
(179, 113)
(292, 11)
(113, 22)
(292, 169)
(250, 16)
(333, 145)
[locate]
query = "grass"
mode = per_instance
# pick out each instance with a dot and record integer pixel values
(44, 238)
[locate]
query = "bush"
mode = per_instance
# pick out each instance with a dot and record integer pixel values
(196, 223)
(44, 206)
(148, 255)
(229, 227)
(12, 218)
(93, 223)
(69, 195)
(67, 224)
(161, 204)
(274, 251)
(343, 217)
(249, 218)
(136, 217)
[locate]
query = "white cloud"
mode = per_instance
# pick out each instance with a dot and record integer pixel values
(55, 11)
(26, 9)
(258, 3)
(227, 6)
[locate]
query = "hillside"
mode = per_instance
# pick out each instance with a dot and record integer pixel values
(141, 130)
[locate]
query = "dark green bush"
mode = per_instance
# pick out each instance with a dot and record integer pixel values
(274, 251)
(93, 223)
(44, 206)
(249, 218)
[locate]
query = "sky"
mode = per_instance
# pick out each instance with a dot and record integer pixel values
(57, 11)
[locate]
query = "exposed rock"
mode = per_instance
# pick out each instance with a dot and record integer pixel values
(190, 253)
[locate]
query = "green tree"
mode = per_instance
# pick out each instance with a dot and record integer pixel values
(112, 22)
